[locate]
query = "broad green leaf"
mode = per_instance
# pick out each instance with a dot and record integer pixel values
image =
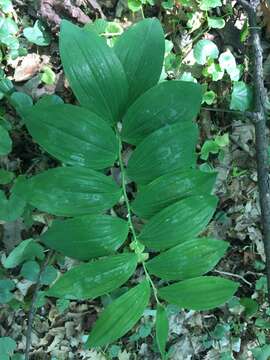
(170, 188)
(209, 4)
(6, 286)
(7, 346)
(30, 270)
(134, 5)
(205, 49)
(11, 209)
(73, 135)
(141, 51)
(241, 96)
(201, 293)
(68, 191)
(5, 141)
(21, 101)
(6, 176)
(168, 149)
(94, 72)
(120, 316)
(164, 104)
(37, 34)
(48, 275)
(209, 97)
(48, 75)
(162, 329)
(26, 250)
(49, 100)
(251, 306)
(215, 22)
(88, 281)
(190, 259)
(261, 352)
(86, 237)
(178, 222)
(6, 6)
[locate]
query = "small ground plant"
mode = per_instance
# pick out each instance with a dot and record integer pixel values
(167, 201)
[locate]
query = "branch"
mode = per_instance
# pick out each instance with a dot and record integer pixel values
(32, 310)
(260, 129)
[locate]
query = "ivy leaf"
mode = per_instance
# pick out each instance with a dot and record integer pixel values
(241, 98)
(49, 275)
(30, 270)
(11, 209)
(6, 286)
(86, 237)
(90, 280)
(37, 34)
(201, 293)
(26, 250)
(6, 176)
(205, 49)
(134, 5)
(120, 316)
(209, 97)
(141, 51)
(5, 142)
(209, 4)
(7, 347)
(48, 76)
(215, 22)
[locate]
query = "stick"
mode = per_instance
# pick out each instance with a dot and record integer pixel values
(260, 129)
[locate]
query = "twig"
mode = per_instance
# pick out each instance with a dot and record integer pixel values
(32, 310)
(233, 275)
(260, 130)
(247, 114)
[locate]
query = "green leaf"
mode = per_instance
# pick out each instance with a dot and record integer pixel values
(5, 142)
(48, 100)
(49, 275)
(209, 4)
(209, 147)
(26, 250)
(190, 259)
(48, 76)
(209, 97)
(68, 191)
(251, 306)
(205, 49)
(168, 149)
(30, 270)
(6, 176)
(141, 51)
(179, 222)
(164, 104)
(201, 293)
(37, 34)
(86, 237)
(94, 72)
(162, 329)
(215, 22)
(134, 5)
(241, 96)
(170, 188)
(6, 286)
(11, 209)
(7, 346)
(120, 316)
(261, 353)
(6, 6)
(20, 101)
(88, 281)
(73, 135)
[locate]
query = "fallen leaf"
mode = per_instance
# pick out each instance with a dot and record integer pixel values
(29, 66)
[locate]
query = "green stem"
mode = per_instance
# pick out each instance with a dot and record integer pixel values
(129, 216)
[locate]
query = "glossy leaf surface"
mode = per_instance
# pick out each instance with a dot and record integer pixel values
(179, 222)
(68, 191)
(86, 237)
(170, 188)
(141, 52)
(167, 149)
(190, 259)
(162, 329)
(88, 281)
(94, 71)
(166, 103)
(120, 316)
(73, 135)
(201, 293)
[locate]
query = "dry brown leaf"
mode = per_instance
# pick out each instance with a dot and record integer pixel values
(29, 67)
